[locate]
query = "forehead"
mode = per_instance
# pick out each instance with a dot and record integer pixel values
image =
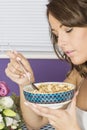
(54, 23)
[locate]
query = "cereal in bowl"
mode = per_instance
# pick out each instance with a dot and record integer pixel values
(52, 88)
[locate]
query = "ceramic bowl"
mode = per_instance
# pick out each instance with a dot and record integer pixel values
(53, 100)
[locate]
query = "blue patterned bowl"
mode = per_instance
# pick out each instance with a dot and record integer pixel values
(49, 98)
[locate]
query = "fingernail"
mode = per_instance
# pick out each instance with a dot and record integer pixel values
(18, 58)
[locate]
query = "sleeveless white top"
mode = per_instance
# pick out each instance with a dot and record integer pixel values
(82, 118)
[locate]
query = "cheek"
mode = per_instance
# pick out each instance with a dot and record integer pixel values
(80, 36)
(80, 42)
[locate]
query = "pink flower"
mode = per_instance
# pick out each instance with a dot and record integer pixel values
(4, 90)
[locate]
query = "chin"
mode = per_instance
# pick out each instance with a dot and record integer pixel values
(77, 62)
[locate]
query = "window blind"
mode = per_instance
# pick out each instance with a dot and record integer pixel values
(24, 26)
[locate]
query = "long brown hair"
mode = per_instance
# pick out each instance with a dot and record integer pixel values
(70, 13)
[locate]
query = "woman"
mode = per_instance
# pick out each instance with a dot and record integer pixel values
(68, 25)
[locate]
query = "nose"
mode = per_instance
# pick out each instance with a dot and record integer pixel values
(62, 40)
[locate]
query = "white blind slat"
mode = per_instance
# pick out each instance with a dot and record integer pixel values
(23, 24)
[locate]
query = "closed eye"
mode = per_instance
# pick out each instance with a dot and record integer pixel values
(68, 30)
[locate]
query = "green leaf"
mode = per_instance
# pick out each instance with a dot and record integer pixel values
(9, 112)
(2, 126)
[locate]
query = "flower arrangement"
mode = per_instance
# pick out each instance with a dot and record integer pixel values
(10, 117)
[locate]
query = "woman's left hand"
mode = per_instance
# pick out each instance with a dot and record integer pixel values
(59, 118)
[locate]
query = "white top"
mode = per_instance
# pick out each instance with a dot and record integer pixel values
(82, 118)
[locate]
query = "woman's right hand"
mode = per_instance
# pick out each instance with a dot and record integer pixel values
(15, 72)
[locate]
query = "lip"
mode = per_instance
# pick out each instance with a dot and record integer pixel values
(70, 53)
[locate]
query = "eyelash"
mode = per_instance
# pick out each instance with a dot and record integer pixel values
(69, 30)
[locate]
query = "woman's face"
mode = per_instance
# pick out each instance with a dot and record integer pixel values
(72, 40)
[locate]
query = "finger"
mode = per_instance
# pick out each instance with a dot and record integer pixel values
(25, 66)
(52, 122)
(73, 103)
(11, 54)
(14, 67)
(55, 124)
(20, 79)
(24, 62)
(14, 55)
(49, 111)
(30, 105)
(72, 106)
(46, 112)
(10, 74)
(34, 107)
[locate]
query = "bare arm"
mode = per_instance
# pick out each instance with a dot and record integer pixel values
(16, 74)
